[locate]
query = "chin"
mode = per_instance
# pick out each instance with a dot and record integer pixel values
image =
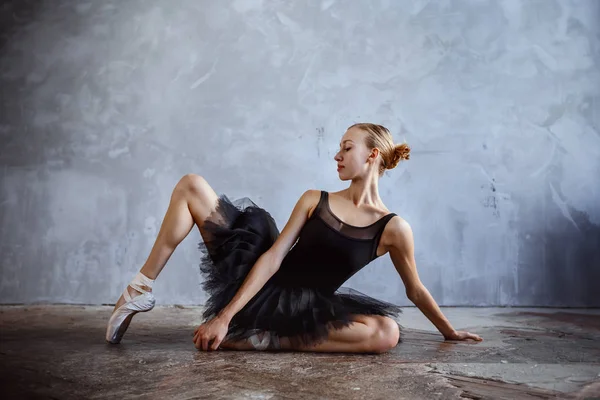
(342, 177)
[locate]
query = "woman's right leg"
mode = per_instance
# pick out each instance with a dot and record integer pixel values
(191, 202)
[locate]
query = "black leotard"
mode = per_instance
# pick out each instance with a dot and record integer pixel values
(304, 298)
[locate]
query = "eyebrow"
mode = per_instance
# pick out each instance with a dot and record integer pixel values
(347, 140)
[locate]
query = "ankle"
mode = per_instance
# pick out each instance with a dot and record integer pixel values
(146, 288)
(141, 283)
(133, 292)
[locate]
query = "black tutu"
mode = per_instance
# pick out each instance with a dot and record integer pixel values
(235, 235)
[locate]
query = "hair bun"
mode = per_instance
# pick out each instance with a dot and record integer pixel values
(401, 152)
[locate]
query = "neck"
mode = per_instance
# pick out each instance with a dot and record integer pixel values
(364, 191)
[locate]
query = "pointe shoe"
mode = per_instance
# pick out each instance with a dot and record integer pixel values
(263, 344)
(121, 317)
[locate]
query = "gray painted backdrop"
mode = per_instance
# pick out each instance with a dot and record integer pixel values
(107, 104)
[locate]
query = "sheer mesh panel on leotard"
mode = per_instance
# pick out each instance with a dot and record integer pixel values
(368, 232)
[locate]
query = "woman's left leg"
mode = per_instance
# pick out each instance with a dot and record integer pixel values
(366, 334)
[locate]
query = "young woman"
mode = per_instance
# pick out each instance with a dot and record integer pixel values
(282, 290)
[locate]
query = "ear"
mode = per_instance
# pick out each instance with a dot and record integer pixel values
(374, 154)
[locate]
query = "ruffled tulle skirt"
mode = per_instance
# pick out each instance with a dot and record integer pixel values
(235, 234)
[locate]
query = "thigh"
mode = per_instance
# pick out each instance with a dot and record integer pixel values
(363, 327)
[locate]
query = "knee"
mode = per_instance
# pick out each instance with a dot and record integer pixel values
(192, 182)
(386, 335)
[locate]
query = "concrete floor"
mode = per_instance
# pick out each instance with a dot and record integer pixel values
(59, 352)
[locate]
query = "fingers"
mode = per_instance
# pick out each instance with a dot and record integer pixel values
(198, 337)
(473, 336)
(205, 343)
(206, 337)
(215, 344)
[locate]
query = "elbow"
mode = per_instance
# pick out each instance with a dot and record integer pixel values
(272, 261)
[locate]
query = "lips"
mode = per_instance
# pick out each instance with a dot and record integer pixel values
(340, 167)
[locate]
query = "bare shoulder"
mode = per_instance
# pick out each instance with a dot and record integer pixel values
(311, 194)
(307, 202)
(290, 232)
(310, 198)
(397, 233)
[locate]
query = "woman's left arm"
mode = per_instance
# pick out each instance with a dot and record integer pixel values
(400, 242)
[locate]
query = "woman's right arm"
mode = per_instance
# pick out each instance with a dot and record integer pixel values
(270, 261)
(264, 268)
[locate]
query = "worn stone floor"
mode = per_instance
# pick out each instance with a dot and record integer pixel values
(59, 352)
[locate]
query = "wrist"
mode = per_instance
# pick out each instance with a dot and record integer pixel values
(450, 335)
(224, 316)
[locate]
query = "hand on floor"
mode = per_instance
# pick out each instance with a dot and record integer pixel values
(211, 331)
(463, 335)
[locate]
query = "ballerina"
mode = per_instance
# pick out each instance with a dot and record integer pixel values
(272, 290)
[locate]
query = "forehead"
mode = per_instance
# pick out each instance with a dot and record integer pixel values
(353, 134)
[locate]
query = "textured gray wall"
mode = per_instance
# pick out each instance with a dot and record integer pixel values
(106, 104)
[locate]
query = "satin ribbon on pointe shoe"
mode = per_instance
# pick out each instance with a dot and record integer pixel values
(120, 319)
(263, 344)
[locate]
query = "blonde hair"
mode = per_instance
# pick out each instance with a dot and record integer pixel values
(379, 136)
